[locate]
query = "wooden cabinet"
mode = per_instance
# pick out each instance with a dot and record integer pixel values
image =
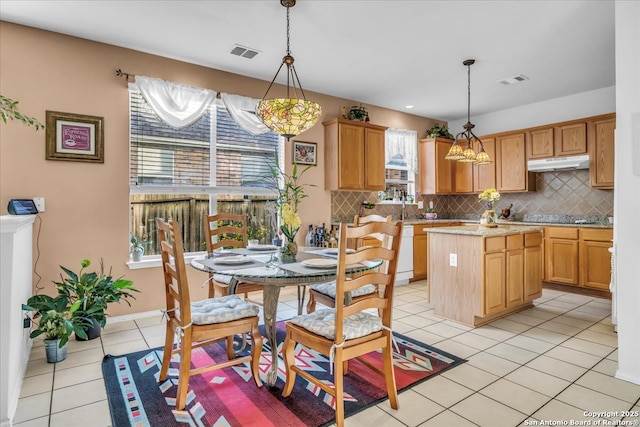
(421, 248)
(511, 164)
(595, 258)
(420, 252)
(514, 261)
(354, 156)
(602, 152)
(462, 177)
(436, 172)
(484, 176)
(562, 255)
(570, 139)
(533, 265)
(494, 279)
(579, 257)
(540, 143)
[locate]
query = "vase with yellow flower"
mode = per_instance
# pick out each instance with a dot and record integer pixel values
(290, 192)
(489, 218)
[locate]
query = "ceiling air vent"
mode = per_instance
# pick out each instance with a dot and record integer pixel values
(514, 79)
(243, 51)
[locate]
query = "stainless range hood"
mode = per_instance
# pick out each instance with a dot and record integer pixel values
(559, 163)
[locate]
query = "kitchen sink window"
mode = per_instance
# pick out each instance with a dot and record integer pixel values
(185, 173)
(401, 163)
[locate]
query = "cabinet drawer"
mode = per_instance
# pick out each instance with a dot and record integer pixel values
(562, 233)
(418, 229)
(532, 239)
(514, 241)
(494, 244)
(600, 235)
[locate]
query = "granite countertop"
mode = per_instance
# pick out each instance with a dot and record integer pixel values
(478, 230)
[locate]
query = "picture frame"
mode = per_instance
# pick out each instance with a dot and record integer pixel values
(305, 153)
(74, 137)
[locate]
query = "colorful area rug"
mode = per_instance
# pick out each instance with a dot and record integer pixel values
(229, 397)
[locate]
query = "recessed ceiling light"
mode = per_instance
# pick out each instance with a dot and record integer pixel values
(408, 107)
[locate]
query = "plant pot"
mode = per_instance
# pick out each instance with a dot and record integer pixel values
(93, 332)
(54, 353)
(137, 253)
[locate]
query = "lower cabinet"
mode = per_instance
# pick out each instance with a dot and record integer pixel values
(533, 265)
(421, 248)
(578, 256)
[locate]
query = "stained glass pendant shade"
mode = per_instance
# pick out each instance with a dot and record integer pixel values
(288, 116)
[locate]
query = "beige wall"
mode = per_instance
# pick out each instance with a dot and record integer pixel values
(87, 204)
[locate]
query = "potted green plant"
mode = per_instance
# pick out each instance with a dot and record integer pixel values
(137, 247)
(54, 317)
(94, 292)
(439, 131)
(9, 111)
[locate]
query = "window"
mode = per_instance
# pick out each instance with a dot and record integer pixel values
(400, 163)
(208, 166)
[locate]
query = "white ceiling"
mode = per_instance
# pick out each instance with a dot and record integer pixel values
(385, 53)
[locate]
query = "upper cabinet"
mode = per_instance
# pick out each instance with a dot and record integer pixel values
(558, 140)
(571, 139)
(484, 176)
(511, 164)
(354, 155)
(601, 152)
(436, 172)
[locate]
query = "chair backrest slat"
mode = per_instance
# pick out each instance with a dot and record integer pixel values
(174, 269)
(391, 234)
(225, 230)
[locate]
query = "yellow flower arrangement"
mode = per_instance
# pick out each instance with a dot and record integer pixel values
(490, 196)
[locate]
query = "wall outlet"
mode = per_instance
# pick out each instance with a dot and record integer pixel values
(453, 260)
(39, 201)
(420, 204)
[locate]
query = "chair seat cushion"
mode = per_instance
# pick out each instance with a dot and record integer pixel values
(323, 322)
(220, 310)
(221, 278)
(329, 289)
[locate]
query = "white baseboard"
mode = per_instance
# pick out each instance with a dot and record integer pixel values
(133, 316)
(625, 377)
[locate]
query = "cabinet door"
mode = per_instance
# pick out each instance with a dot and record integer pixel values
(374, 178)
(511, 167)
(595, 264)
(540, 143)
(463, 178)
(533, 268)
(514, 277)
(562, 261)
(484, 176)
(351, 158)
(602, 153)
(420, 256)
(494, 282)
(444, 168)
(571, 139)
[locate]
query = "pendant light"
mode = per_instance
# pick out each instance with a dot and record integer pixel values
(467, 155)
(288, 116)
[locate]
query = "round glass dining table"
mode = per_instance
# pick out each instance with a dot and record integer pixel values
(263, 267)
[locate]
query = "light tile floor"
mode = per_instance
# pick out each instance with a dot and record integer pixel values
(554, 362)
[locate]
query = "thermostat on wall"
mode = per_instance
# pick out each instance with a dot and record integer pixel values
(22, 207)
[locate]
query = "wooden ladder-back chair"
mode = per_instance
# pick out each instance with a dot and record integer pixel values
(325, 293)
(225, 230)
(202, 322)
(349, 331)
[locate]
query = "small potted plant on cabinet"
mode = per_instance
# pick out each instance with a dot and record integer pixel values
(439, 131)
(54, 317)
(93, 292)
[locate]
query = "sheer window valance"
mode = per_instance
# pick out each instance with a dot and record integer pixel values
(180, 105)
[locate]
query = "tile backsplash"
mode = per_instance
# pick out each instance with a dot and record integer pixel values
(558, 193)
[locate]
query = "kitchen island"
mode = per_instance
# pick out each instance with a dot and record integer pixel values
(480, 274)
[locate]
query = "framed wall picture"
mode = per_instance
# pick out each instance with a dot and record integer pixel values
(305, 153)
(74, 137)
